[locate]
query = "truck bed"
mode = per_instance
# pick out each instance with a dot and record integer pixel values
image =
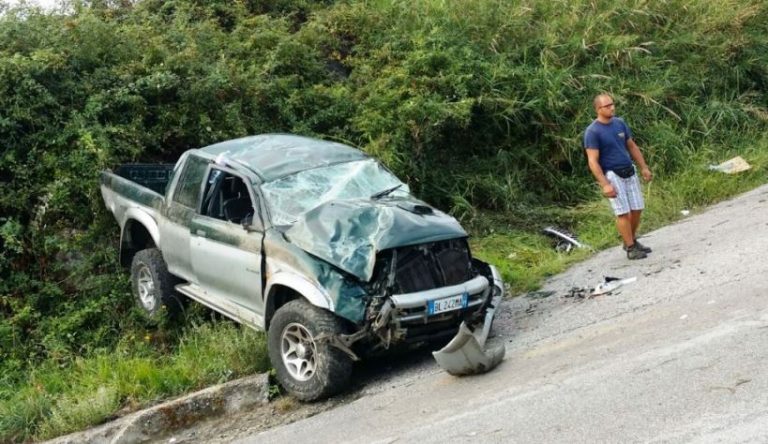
(153, 176)
(135, 185)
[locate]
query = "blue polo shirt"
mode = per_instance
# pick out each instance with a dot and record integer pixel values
(611, 140)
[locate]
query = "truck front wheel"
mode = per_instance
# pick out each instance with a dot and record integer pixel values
(307, 365)
(152, 284)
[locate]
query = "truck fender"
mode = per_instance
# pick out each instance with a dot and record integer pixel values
(144, 219)
(316, 295)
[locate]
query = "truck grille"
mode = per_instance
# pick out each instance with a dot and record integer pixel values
(433, 265)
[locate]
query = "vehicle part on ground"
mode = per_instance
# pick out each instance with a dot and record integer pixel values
(466, 353)
(610, 285)
(153, 285)
(565, 241)
(307, 365)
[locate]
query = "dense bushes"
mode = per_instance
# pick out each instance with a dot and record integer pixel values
(479, 104)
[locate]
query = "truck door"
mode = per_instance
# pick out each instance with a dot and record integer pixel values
(177, 213)
(226, 243)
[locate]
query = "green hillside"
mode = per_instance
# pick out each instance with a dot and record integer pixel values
(478, 104)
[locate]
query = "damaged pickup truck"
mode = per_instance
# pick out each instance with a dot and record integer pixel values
(314, 242)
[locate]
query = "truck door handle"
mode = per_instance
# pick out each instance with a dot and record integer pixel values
(201, 233)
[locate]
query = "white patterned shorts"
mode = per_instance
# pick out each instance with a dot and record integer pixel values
(628, 193)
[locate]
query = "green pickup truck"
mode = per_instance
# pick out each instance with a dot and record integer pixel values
(314, 242)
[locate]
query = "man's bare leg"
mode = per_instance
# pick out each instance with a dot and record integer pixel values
(624, 225)
(634, 217)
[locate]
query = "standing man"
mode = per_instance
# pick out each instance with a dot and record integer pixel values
(609, 144)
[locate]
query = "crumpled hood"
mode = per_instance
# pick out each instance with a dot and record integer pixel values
(349, 233)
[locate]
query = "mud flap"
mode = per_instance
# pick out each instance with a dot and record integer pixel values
(466, 353)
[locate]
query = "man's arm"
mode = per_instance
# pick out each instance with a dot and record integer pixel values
(634, 151)
(593, 159)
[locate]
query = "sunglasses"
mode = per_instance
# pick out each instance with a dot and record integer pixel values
(605, 106)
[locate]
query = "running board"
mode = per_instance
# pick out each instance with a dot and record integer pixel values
(219, 305)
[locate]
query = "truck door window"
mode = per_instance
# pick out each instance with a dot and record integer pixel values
(226, 198)
(188, 190)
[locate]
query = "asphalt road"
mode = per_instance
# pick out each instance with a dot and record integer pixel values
(680, 355)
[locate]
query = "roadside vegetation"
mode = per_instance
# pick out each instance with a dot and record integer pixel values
(479, 107)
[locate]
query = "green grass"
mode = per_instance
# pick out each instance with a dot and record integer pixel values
(57, 399)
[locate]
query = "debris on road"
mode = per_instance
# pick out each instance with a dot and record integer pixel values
(577, 292)
(466, 353)
(732, 166)
(610, 285)
(539, 294)
(565, 241)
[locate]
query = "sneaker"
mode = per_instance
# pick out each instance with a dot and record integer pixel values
(633, 252)
(642, 247)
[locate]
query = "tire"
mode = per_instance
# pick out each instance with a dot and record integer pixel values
(307, 369)
(153, 285)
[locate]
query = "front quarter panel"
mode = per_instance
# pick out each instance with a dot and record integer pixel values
(294, 279)
(320, 283)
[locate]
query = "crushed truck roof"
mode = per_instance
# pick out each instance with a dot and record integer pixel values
(272, 156)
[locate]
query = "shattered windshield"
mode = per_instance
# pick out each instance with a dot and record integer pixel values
(291, 196)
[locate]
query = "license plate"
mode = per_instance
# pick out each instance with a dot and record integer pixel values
(447, 304)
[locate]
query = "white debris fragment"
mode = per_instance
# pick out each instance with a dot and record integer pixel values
(609, 286)
(732, 166)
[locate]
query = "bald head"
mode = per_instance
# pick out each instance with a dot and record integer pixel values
(601, 99)
(604, 108)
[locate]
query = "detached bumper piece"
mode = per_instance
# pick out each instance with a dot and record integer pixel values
(466, 353)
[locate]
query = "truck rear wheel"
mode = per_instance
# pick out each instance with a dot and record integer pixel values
(306, 367)
(152, 284)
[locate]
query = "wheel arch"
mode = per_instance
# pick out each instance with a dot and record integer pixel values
(139, 232)
(285, 287)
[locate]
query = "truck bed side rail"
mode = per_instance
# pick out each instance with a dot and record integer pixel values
(112, 185)
(153, 176)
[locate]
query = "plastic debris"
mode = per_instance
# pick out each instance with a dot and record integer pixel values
(610, 285)
(565, 241)
(578, 292)
(466, 353)
(685, 212)
(732, 166)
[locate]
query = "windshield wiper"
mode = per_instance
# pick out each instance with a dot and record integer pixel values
(386, 192)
